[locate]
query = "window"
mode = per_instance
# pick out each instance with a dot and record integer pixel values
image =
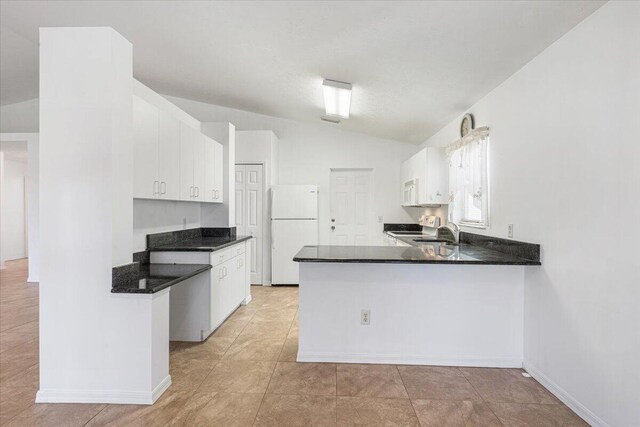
(469, 179)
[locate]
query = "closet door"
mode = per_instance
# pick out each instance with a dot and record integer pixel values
(249, 213)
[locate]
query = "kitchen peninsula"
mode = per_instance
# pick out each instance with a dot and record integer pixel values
(433, 304)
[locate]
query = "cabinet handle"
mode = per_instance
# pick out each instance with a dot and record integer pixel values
(225, 271)
(155, 187)
(220, 275)
(163, 187)
(191, 191)
(213, 194)
(197, 191)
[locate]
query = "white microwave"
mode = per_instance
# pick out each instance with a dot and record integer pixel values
(410, 193)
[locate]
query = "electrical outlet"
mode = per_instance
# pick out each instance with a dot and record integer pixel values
(365, 317)
(510, 230)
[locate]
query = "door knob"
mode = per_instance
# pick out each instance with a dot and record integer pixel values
(333, 227)
(333, 220)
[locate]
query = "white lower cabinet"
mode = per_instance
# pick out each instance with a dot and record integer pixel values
(228, 282)
(199, 305)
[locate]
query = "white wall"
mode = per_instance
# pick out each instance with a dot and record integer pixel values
(20, 117)
(157, 216)
(307, 152)
(95, 346)
(565, 170)
(13, 205)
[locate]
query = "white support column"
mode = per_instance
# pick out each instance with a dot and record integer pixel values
(216, 215)
(95, 346)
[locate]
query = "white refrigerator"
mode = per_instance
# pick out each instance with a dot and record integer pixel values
(294, 224)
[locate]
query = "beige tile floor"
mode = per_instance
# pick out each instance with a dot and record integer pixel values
(245, 374)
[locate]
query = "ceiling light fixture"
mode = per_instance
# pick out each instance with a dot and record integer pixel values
(337, 98)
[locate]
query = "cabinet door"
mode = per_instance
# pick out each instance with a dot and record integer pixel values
(240, 279)
(187, 161)
(145, 150)
(169, 156)
(199, 169)
(437, 176)
(217, 296)
(209, 168)
(419, 168)
(218, 170)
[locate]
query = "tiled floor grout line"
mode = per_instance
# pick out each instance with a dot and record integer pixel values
(481, 398)
(264, 395)
(408, 396)
(96, 414)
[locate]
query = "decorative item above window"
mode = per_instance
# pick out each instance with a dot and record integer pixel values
(469, 179)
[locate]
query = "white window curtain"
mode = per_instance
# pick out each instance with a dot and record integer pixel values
(469, 180)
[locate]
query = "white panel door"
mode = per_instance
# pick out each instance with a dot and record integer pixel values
(351, 203)
(145, 150)
(169, 156)
(249, 213)
(294, 202)
(287, 238)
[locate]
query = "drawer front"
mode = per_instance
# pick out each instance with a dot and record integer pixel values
(218, 257)
(238, 249)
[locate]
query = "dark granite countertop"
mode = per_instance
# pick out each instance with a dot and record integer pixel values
(427, 253)
(202, 244)
(152, 278)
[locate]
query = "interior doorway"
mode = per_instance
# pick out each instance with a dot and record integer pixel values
(13, 204)
(351, 201)
(249, 191)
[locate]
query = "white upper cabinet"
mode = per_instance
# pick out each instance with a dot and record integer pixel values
(188, 141)
(425, 178)
(146, 184)
(213, 171)
(169, 156)
(199, 169)
(172, 160)
(218, 171)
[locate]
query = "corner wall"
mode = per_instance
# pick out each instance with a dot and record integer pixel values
(565, 170)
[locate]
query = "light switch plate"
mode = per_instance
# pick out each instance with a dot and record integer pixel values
(510, 230)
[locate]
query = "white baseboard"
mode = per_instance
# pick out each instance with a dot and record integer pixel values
(247, 300)
(403, 359)
(577, 407)
(104, 396)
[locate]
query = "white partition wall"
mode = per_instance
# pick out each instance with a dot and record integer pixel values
(95, 346)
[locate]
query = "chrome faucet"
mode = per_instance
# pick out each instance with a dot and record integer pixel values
(450, 230)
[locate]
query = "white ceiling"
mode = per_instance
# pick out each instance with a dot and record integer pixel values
(414, 65)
